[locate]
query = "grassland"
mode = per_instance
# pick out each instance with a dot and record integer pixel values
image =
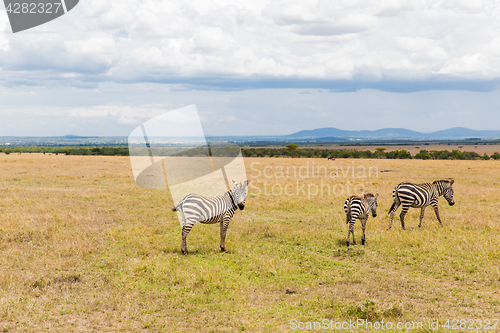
(84, 249)
(413, 149)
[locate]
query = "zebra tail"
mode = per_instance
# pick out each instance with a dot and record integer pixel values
(348, 212)
(392, 207)
(176, 207)
(395, 195)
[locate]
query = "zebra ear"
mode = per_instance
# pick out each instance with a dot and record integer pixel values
(246, 182)
(452, 181)
(376, 196)
(233, 182)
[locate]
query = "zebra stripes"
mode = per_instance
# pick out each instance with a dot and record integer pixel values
(359, 208)
(420, 196)
(196, 208)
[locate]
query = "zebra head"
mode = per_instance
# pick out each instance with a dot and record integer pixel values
(372, 202)
(445, 189)
(239, 193)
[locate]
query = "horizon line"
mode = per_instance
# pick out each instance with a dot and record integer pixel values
(77, 136)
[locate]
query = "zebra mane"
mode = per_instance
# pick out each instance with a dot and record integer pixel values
(449, 181)
(230, 192)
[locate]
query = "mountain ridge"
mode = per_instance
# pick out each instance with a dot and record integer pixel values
(397, 133)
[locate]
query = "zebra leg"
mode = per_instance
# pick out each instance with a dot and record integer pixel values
(185, 231)
(348, 234)
(351, 226)
(363, 224)
(422, 211)
(224, 224)
(351, 230)
(436, 210)
(402, 215)
(393, 211)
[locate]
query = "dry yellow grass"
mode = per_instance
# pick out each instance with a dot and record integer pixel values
(479, 148)
(414, 149)
(84, 249)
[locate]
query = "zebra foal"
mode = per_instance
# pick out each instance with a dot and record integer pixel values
(359, 208)
(196, 208)
(420, 196)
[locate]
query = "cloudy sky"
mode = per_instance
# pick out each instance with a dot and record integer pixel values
(259, 67)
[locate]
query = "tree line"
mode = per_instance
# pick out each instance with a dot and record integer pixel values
(292, 151)
(105, 151)
(289, 151)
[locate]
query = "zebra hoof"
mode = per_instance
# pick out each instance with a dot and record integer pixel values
(362, 242)
(223, 250)
(184, 253)
(347, 244)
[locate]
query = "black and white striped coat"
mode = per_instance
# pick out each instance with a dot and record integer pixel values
(196, 208)
(359, 208)
(420, 196)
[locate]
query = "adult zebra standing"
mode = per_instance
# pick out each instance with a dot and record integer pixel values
(420, 196)
(196, 208)
(359, 208)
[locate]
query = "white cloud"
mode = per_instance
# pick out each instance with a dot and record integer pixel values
(127, 121)
(471, 65)
(221, 41)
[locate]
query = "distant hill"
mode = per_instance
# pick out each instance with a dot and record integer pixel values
(72, 136)
(455, 133)
(462, 132)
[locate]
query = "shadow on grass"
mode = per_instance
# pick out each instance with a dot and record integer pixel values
(348, 252)
(341, 242)
(199, 252)
(342, 250)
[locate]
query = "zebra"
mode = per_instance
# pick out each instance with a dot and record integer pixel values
(359, 208)
(196, 208)
(420, 196)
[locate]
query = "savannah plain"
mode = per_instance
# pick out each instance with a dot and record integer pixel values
(84, 249)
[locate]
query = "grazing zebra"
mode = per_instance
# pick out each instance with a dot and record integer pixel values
(359, 208)
(196, 208)
(420, 196)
